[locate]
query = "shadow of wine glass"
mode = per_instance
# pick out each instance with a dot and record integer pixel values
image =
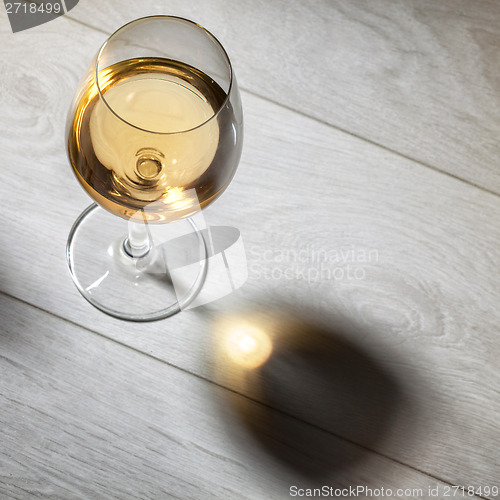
(311, 396)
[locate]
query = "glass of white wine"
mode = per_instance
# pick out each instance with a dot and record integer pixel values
(154, 135)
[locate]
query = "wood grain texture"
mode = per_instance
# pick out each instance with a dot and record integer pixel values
(83, 417)
(418, 77)
(425, 308)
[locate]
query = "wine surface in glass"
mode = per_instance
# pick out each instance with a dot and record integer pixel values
(151, 136)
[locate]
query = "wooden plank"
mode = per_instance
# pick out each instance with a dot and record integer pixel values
(83, 417)
(418, 77)
(427, 304)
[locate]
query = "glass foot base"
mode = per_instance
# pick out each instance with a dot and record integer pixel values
(135, 288)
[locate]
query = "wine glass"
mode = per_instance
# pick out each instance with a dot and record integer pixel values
(154, 135)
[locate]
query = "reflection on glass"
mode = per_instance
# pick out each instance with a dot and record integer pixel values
(154, 134)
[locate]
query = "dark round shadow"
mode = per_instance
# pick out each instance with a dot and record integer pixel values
(308, 394)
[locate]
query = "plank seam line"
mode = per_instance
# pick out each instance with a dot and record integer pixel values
(373, 143)
(335, 127)
(204, 379)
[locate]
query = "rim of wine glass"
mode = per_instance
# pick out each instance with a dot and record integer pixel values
(178, 18)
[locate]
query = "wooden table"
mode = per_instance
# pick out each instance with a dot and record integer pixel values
(371, 148)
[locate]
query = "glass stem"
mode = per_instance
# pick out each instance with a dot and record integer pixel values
(138, 242)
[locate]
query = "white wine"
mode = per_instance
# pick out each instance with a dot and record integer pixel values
(158, 132)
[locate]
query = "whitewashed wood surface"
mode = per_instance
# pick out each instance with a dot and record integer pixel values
(367, 128)
(417, 77)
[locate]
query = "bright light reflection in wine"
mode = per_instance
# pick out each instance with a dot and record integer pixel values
(159, 127)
